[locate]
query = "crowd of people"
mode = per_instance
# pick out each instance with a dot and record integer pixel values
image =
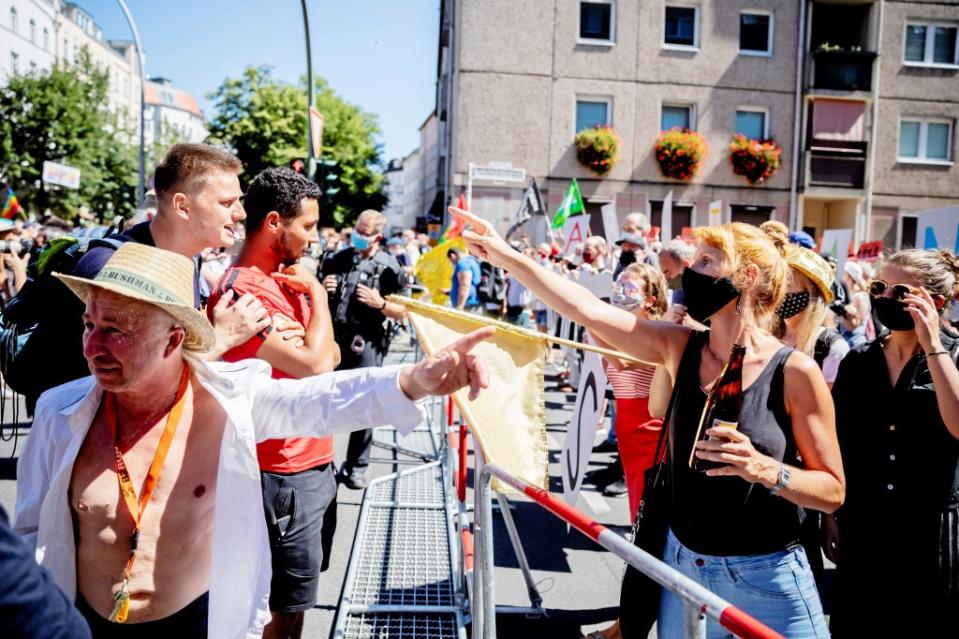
(847, 441)
(187, 488)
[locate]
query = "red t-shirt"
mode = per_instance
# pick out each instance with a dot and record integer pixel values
(295, 454)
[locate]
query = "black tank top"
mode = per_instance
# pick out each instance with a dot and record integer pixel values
(727, 516)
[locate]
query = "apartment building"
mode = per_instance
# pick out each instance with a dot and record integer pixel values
(36, 34)
(172, 113)
(861, 96)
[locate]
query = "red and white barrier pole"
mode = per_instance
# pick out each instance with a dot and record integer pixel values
(695, 595)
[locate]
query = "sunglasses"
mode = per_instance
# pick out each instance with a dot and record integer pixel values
(878, 288)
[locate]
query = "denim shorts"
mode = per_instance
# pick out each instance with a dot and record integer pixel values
(777, 589)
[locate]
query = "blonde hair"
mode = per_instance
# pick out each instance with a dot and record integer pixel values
(744, 245)
(654, 286)
(811, 319)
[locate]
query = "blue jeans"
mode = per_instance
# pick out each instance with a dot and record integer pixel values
(777, 589)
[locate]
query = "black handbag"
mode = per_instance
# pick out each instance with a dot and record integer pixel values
(639, 596)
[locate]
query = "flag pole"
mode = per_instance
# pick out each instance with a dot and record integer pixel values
(415, 305)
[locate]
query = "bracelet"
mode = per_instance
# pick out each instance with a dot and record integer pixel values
(937, 353)
(384, 306)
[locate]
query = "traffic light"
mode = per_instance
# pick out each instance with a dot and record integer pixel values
(327, 177)
(298, 165)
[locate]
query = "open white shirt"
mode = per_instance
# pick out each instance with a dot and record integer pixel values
(257, 408)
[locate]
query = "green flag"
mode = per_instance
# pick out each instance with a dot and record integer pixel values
(572, 205)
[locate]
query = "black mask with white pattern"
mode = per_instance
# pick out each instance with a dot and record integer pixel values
(793, 304)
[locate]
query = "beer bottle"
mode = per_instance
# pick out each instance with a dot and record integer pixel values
(723, 405)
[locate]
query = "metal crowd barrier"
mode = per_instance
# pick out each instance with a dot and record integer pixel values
(700, 603)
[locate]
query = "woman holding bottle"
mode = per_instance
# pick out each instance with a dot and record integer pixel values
(897, 415)
(734, 528)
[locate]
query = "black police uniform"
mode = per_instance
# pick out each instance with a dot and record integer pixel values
(360, 331)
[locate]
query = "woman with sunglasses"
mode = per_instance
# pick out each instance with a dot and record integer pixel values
(640, 289)
(897, 415)
(736, 528)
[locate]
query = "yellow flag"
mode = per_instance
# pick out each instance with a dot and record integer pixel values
(435, 271)
(508, 419)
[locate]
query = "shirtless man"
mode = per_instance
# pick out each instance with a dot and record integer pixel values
(201, 566)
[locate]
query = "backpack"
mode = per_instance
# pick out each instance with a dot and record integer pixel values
(36, 352)
(492, 285)
(824, 344)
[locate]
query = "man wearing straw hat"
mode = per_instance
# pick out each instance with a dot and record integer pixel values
(139, 486)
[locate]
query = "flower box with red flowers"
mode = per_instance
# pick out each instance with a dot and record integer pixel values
(680, 153)
(756, 160)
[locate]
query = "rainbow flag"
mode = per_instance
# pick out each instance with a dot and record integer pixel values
(9, 206)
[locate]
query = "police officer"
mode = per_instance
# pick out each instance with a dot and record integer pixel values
(358, 279)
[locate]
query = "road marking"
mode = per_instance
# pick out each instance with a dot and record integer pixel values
(595, 501)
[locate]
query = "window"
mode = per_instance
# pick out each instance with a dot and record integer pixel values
(46, 39)
(14, 62)
(750, 214)
(753, 123)
(673, 116)
(681, 28)
(596, 21)
(755, 34)
(13, 19)
(592, 112)
(925, 140)
(33, 30)
(930, 44)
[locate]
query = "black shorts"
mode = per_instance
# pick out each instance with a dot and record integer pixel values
(300, 519)
(190, 622)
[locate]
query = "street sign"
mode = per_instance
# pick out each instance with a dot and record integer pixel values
(61, 175)
(496, 173)
(316, 130)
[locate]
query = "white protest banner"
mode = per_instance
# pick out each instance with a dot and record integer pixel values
(581, 432)
(715, 217)
(610, 223)
(835, 242)
(666, 223)
(61, 175)
(575, 231)
(316, 131)
(938, 228)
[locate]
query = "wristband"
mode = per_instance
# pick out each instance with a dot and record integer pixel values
(937, 353)
(383, 307)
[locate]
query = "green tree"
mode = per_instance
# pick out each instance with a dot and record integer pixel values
(60, 114)
(263, 121)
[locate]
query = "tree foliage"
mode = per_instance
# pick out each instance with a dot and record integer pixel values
(264, 122)
(61, 115)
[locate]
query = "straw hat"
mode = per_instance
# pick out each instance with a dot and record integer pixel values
(814, 267)
(155, 276)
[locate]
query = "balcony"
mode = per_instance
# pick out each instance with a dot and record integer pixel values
(836, 164)
(842, 70)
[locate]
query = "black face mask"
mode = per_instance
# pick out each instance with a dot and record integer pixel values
(704, 295)
(626, 258)
(793, 304)
(892, 314)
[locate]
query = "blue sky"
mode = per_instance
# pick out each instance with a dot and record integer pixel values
(378, 54)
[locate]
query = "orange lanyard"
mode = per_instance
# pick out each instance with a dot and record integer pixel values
(135, 506)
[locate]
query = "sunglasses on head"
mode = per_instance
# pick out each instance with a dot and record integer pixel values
(878, 288)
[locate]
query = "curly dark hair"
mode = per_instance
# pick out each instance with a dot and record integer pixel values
(279, 190)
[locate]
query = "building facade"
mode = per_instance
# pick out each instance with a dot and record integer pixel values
(393, 189)
(860, 148)
(36, 34)
(172, 114)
